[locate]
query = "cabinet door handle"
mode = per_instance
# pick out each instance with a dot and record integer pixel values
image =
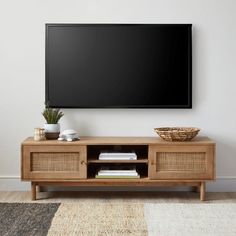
(83, 162)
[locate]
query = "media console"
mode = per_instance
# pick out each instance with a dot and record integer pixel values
(159, 163)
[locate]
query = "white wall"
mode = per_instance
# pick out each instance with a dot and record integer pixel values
(22, 57)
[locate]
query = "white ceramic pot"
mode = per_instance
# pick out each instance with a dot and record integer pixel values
(52, 128)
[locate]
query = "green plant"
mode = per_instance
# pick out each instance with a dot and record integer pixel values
(52, 116)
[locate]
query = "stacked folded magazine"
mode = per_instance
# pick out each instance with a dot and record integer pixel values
(106, 155)
(118, 172)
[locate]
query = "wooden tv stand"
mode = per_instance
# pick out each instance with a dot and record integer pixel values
(159, 163)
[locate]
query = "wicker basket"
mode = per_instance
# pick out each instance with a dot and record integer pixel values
(177, 133)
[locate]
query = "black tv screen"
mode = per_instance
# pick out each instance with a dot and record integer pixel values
(119, 65)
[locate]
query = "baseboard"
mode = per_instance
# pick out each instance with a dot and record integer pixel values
(222, 184)
(13, 183)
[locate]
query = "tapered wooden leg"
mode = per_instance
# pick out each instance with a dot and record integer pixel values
(202, 191)
(33, 191)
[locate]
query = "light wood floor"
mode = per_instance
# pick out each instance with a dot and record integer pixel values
(141, 197)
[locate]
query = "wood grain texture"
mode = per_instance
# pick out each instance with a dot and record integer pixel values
(118, 182)
(139, 160)
(119, 141)
(33, 191)
(202, 191)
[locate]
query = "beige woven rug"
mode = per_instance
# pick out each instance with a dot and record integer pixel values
(100, 219)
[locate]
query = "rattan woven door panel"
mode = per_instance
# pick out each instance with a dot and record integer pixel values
(54, 162)
(181, 162)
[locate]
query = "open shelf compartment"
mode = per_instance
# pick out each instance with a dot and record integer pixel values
(141, 168)
(94, 164)
(93, 152)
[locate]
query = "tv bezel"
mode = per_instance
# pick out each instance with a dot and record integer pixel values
(187, 106)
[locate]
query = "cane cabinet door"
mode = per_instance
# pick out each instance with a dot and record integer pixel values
(181, 162)
(53, 162)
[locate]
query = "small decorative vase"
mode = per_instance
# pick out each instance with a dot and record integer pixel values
(52, 131)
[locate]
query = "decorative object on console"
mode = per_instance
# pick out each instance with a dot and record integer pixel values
(179, 134)
(52, 127)
(69, 135)
(39, 134)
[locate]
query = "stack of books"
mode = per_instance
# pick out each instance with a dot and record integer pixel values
(105, 155)
(117, 172)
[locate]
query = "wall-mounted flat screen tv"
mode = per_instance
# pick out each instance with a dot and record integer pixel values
(119, 65)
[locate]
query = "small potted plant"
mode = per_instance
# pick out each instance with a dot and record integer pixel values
(52, 127)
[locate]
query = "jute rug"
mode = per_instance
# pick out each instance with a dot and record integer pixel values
(113, 219)
(101, 219)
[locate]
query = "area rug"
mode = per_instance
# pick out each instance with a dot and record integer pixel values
(23, 219)
(103, 219)
(67, 219)
(191, 219)
(113, 219)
